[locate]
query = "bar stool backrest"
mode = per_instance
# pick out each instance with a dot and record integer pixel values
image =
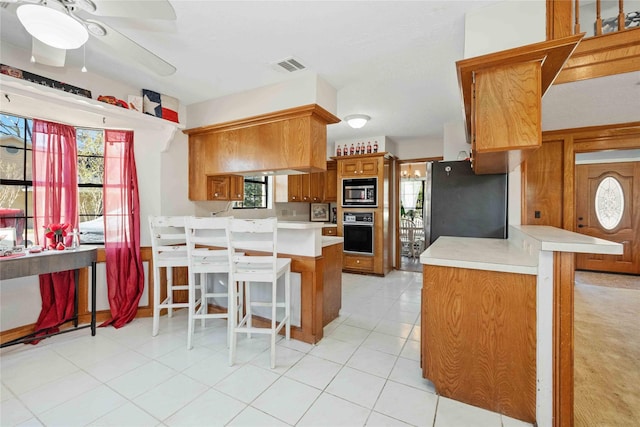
(254, 235)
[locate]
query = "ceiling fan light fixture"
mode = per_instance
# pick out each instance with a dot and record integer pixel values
(357, 121)
(52, 27)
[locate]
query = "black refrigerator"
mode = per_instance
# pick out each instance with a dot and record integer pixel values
(459, 203)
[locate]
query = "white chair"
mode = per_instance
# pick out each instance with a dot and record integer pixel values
(418, 237)
(260, 235)
(406, 237)
(205, 238)
(168, 246)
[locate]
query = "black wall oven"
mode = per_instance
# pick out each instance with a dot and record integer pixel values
(359, 192)
(357, 232)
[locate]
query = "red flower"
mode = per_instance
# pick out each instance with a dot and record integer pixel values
(52, 230)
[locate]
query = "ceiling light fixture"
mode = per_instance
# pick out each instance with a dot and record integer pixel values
(52, 27)
(357, 121)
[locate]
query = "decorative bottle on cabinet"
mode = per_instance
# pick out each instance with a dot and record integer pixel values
(338, 151)
(375, 146)
(368, 147)
(352, 150)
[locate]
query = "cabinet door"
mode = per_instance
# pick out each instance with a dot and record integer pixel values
(218, 188)
(306, 187)
(349, 167)
(236, 184)
(331, 183)
(369, 167)
(295, 188)
(359, 167)
(506, 116)
(316, 187)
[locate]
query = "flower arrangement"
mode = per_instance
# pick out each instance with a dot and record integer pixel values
(56, 233)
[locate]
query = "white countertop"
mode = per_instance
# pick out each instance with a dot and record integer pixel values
(331, 240)
(518, 254)
(559, 240)
(301, 225)
(480, 254)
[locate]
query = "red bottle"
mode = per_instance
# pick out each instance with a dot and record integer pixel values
(352, 150)
(368, 147)
(339, 151)
(375, 147)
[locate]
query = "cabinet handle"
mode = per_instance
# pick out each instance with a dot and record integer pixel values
(357, 261)
(215, 194)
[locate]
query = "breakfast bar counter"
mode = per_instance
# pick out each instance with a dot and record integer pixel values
(497, 320)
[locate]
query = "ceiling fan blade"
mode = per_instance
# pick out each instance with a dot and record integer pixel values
(124, 45)
(147, 9)
(47, 55)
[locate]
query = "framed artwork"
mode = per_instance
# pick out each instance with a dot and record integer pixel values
(319, 212)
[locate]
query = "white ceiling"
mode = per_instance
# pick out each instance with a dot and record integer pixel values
(391, 60)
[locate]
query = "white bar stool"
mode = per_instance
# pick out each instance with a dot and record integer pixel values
(203, 234)
(259, 235)
(168, 246)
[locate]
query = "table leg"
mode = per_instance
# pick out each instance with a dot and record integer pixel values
(93, 298)
(76, 279)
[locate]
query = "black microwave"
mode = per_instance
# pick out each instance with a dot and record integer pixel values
(360, 192)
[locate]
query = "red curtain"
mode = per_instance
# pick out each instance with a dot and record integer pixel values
(125, 276)
(55, 198)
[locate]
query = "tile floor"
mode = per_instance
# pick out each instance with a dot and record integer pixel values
(364, 372)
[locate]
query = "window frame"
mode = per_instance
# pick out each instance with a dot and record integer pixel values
(26, 185)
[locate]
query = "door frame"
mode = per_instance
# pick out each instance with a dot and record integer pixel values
(577, 140)
(396, 202)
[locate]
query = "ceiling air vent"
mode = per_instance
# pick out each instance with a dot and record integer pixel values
(290, 65)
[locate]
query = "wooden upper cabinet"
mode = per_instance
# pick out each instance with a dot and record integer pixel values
(293, 139)
(316, 187)
(236, 187)
(331, 182)
(225, 187)
(356, 167)
(308, 188)
(218, 188)
(502, 95)
(296, 187)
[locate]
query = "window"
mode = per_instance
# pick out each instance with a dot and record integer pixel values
(256, 193)
(16, 195)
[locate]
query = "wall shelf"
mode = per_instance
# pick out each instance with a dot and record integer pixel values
(24, 98)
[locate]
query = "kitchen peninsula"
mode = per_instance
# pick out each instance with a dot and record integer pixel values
(497, 320)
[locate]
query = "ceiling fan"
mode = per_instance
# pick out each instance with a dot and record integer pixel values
(59, 25)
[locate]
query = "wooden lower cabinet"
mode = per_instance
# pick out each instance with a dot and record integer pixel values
(358, 263)
(478, 343)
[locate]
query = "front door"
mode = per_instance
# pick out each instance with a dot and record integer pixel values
(608, 207)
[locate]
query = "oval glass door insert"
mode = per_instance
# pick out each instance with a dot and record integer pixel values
(609, 203)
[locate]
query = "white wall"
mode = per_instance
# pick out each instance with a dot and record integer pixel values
(504, 25)
(455, 140)
(307, 89)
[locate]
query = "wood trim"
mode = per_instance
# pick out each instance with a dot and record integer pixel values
(604, 55)
(559, 14)
(563, 374)
(276, 116)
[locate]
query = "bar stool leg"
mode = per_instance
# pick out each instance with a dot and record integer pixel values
(156, 301)
(170, 290)
(249, 315)
(287, 302)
